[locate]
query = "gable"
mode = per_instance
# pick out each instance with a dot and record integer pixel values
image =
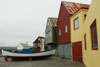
(51, 22)
(69, 8)
(63, 13)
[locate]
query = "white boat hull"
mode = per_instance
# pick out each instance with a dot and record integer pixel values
(44, 54)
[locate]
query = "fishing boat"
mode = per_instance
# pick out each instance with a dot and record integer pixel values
(18, 56)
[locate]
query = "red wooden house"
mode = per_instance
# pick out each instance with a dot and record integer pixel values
(63, 30)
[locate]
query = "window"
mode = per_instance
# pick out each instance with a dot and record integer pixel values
(76, 23)
(50, 34)
(85, 42)
(94, 36)
(48, 22)
(66, 28)
(85, 16)
(59, 31)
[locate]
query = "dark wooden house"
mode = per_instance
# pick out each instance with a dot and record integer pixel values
(51, 33)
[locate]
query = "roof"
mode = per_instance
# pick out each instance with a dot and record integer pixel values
(53, 21)
(41, 37)
(72, 7)
(38, 38)
(25, 45)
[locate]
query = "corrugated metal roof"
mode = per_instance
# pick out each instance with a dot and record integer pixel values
(74, 7)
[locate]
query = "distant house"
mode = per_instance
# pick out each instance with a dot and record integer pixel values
(51, 33)
(22, 46)
(39, 44)
(63, 27)
(77, 25)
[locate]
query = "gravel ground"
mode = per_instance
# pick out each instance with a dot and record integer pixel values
(51, 62)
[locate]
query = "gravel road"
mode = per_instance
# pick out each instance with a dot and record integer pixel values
(51, 62)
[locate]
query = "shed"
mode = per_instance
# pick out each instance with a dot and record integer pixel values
(51, 32)
(39, 44)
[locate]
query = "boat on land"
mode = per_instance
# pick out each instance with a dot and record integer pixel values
(20, 56)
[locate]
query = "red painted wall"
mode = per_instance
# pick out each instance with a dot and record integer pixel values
(77, 51)
(37, 49)
(63, 19)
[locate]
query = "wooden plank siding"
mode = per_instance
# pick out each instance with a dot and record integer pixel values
(63, 19)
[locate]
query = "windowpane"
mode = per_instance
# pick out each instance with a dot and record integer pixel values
(76, 23)
(85, 41)
(85, 16)
(59, 32)
(50, 33)
(66, 28)
(94, 35)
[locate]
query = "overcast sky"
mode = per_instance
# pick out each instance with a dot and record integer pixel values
(25, 20)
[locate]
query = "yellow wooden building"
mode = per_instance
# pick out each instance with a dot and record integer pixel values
(77, 22)
(91, 36)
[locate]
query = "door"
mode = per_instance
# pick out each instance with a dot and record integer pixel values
(67, 50)
(64, 51)
(60, 51)
(77, 51)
